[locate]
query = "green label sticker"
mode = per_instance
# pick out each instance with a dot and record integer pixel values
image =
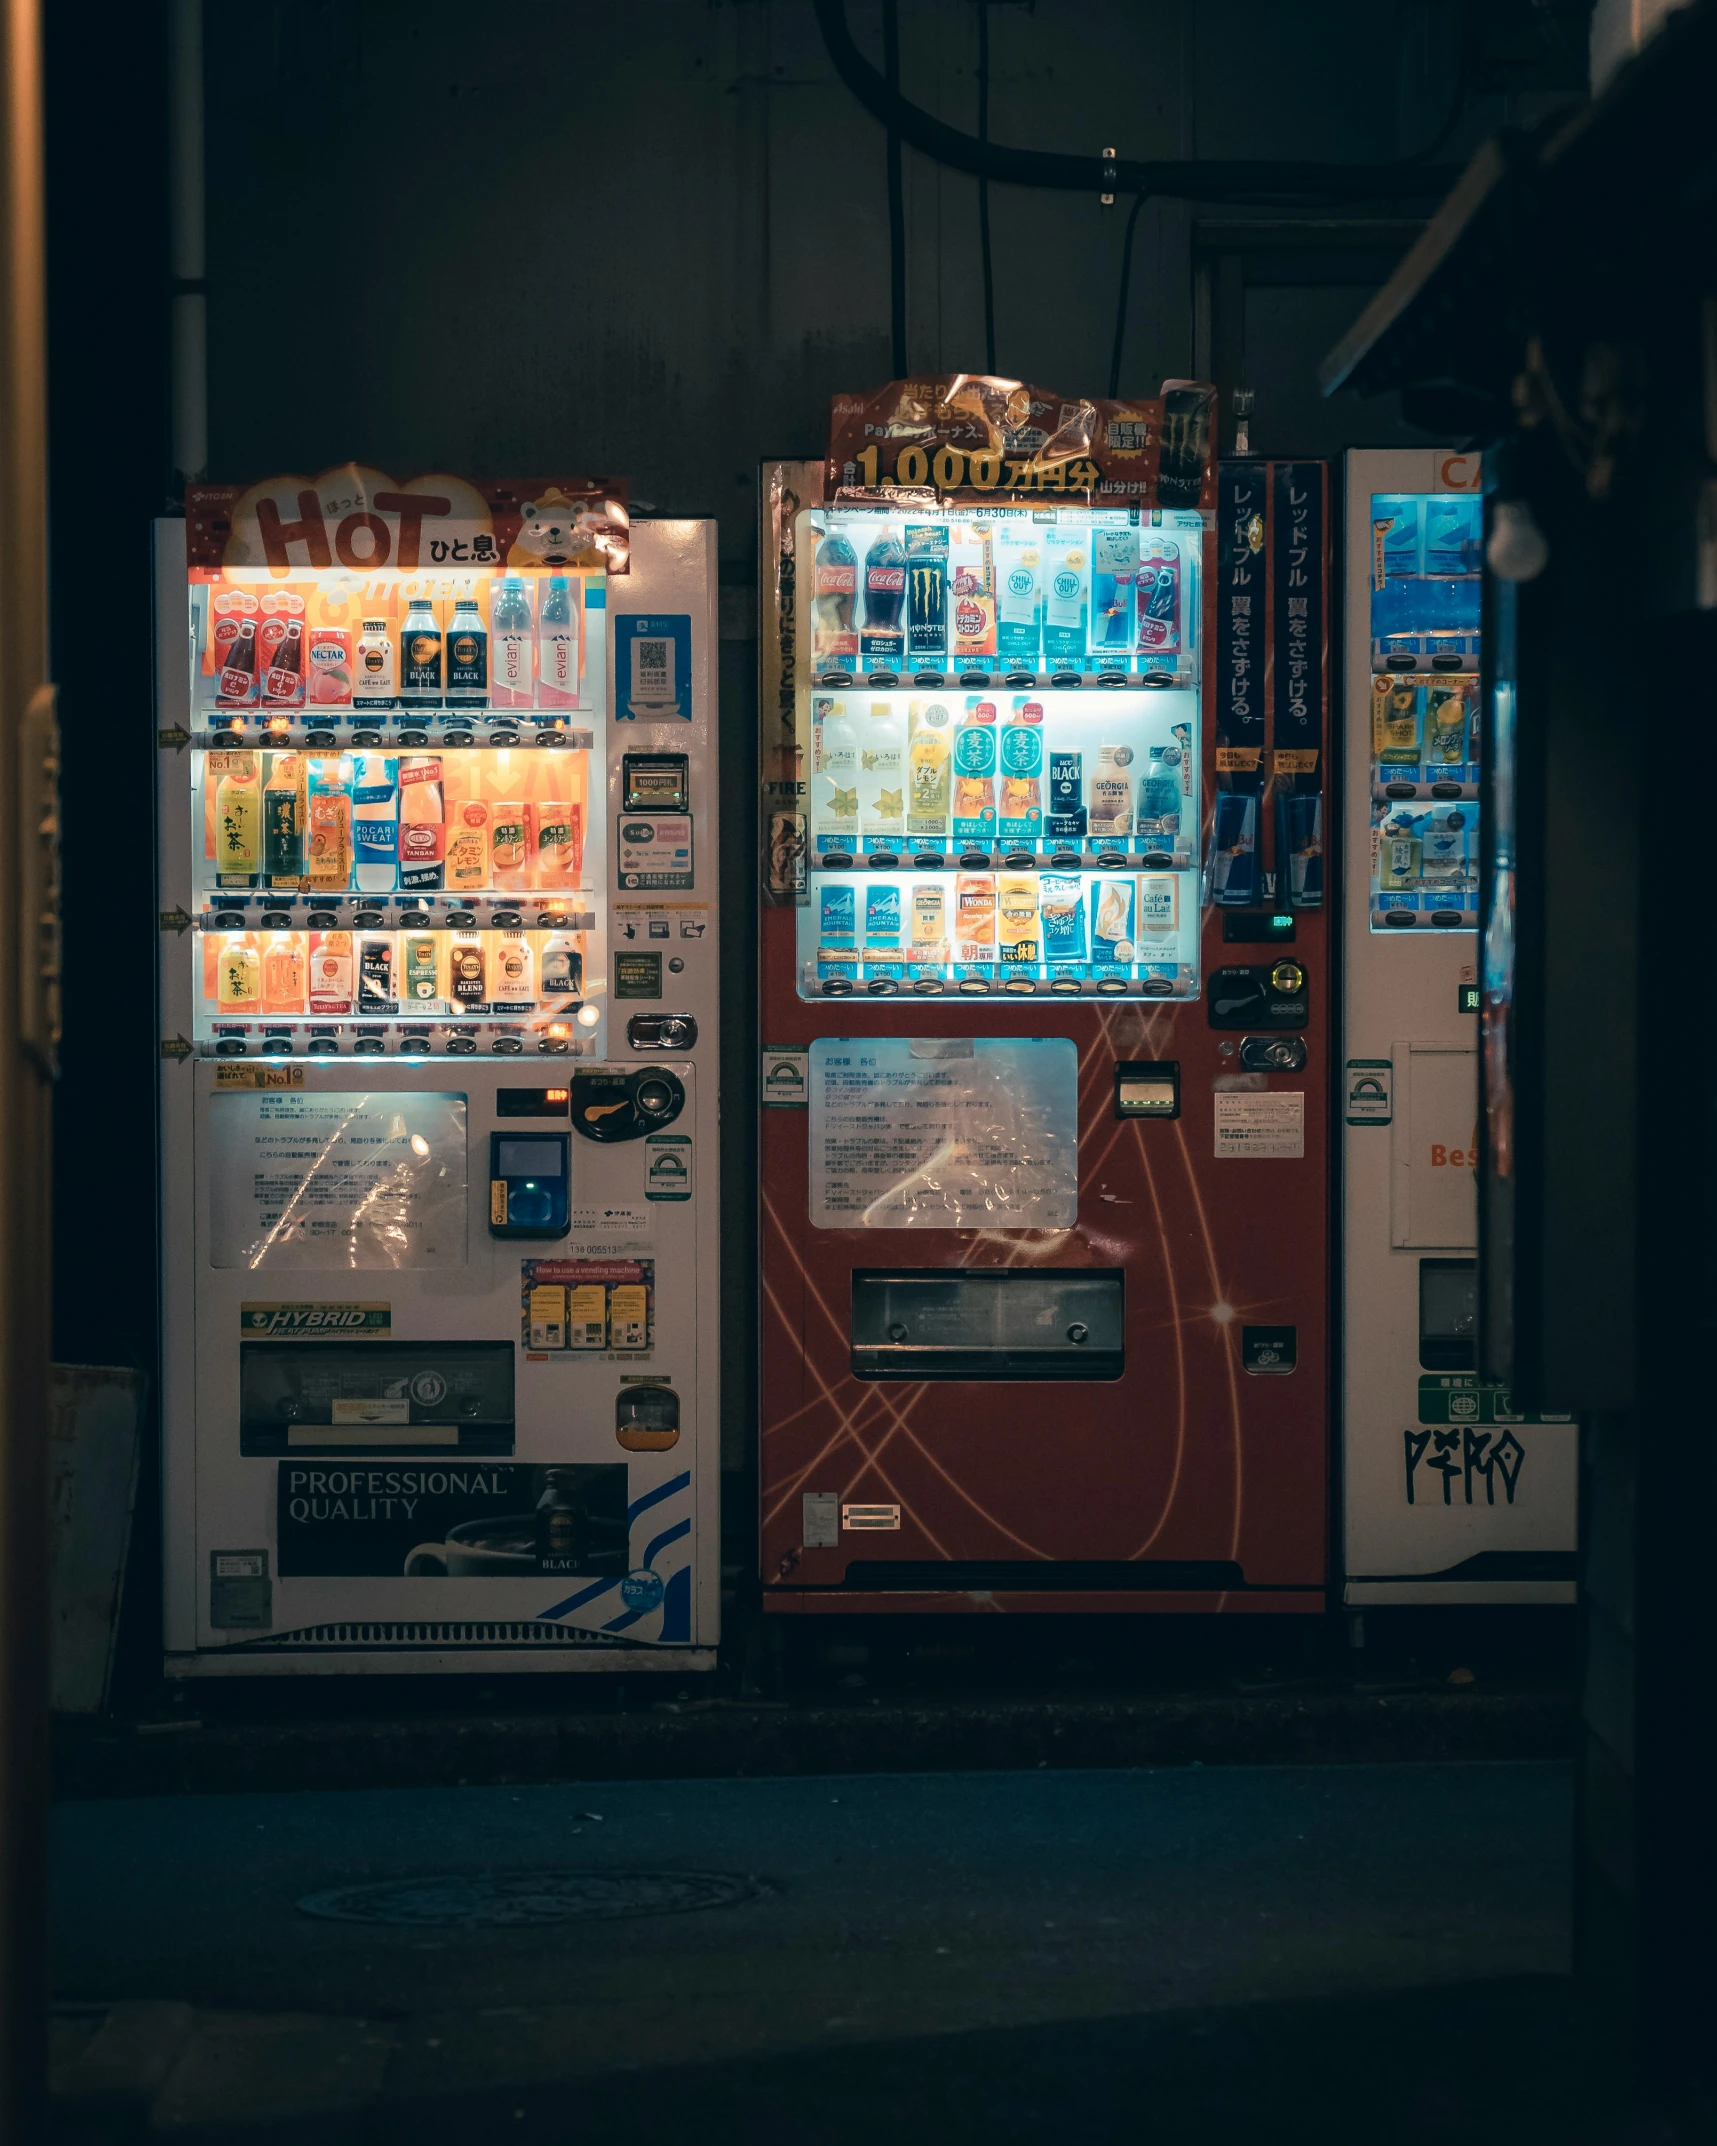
(667, 1166)
(1460, 1397)
(1370, 1091)
(786, 1077)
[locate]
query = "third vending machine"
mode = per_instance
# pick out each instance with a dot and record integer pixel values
(1045, 1004)
(1450, 1493)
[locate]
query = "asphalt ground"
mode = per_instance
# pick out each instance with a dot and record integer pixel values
(1199, 1952)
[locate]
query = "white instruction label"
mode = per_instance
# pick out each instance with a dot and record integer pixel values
(920, 1132)
(337, 1179)
(1268, 1124)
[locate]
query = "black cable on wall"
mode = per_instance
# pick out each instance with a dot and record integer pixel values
(896, 195)
(984, 187)
(1195, 179)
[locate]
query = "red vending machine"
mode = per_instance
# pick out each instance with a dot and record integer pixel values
(1045, 1007)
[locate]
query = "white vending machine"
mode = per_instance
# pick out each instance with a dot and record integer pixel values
(1450, 1494)
(438, 1113)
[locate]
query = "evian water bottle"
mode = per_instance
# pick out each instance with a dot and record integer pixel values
(511, 669)
(557, 646)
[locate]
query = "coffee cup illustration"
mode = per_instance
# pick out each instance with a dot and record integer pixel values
(499, 1548)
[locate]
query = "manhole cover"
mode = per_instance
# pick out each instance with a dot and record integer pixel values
(490, 1900)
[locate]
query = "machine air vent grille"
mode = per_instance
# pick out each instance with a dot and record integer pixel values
(422, 1633)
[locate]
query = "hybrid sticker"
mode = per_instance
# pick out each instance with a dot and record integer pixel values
(311, 1322)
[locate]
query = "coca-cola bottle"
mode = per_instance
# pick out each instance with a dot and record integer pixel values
(833, 640)
(882, 644)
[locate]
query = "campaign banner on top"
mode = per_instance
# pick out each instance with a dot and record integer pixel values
(972, 438)
(365, 521)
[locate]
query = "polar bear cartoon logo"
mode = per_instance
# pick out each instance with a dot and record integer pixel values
(556, 532)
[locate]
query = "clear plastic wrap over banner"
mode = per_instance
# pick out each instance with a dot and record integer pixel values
(915, 1132)
(334, 1179)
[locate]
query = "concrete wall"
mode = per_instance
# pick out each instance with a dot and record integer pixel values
(654, 240)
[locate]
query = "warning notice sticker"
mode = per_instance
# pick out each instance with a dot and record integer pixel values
(1268, 1123)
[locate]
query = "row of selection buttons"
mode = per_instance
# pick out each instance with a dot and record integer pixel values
(313, 913)
(1006, 860)
(990, 681)
(400, 1042)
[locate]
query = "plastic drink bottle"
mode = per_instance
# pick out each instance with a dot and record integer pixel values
(975, 772)
(882, 775)
(330, 972)
(929, 771)
(237, 817)
(836, 753)
(238, 974)
(1021, 758)
(557, 646)
(422, 823)
(1114, 572)
(512, 671)
(375, 822)
(833, 601)
(283, 973)
(1067, 602)
(328, 853)
(882, 643)
(1019, 596)
(1159, 797)
(283, 823)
